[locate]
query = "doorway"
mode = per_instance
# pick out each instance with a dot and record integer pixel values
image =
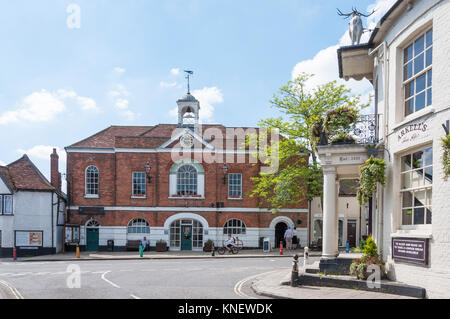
(280, 229)
(351, 232)
(92, 235)
(186, 237)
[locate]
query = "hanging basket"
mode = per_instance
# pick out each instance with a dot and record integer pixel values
(370, 173)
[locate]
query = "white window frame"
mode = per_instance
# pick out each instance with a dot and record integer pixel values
(426, 71)
(236, 225)
(139, 223)
(142, 180)
(3, 204)
(91, 195)
(421, 188)
(230, 185)
(178, 191)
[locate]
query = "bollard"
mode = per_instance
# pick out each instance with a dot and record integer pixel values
(281, 248)
(14, 254)
(347, 248)
(213, 250)
(141, 251)
(294, 275)
(305, 257)
(78, 252)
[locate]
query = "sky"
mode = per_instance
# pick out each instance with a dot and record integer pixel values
(69, 69)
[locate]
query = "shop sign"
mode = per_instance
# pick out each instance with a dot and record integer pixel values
(412, 132)
(413, 250)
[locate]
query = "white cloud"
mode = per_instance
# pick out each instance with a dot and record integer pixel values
(87, 104)
(40, 106)
(119, 70)
(325, 64)
(175, 71)
(167, 84)
(119, 96)
(208, 98)
(2, 163)
(42, 152)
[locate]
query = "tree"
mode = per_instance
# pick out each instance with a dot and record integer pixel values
(298, 177)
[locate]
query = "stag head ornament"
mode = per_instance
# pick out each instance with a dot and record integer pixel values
(355, 24)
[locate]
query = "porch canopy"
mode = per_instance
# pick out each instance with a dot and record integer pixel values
(338, 162)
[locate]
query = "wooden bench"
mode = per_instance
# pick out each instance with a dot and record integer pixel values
(133, 244)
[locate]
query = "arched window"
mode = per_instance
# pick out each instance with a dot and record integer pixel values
(91, 179)
(138, 226)
(234, 226)
(92, 223)
(187, 180)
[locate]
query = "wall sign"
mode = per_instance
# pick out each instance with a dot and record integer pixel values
(91, 210)
(413, 250)
(28, 238)
(412, 132)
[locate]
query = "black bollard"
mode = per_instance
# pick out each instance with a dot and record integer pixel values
(213, 250)
(294, 276)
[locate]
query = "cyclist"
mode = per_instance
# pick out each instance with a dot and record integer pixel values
(230, 242)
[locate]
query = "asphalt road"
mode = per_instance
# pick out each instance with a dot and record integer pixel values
(124, 279)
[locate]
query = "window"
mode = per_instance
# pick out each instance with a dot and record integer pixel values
(6, 207)
(416, 187)
(235, 185)
(138, 226)
(72, 234)
(187, 180)
(234, 226)
(417, 73)
(92, 181)
(139, 184)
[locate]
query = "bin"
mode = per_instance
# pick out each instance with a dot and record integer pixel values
(110, 245)
(266, 245)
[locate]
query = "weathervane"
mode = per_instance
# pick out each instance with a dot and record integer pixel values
(355, 24)
(188, 74)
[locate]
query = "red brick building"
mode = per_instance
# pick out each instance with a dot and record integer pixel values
(182, 183)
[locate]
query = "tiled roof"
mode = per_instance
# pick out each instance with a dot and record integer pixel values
(24, 175)
(6, 177)
(128, 136)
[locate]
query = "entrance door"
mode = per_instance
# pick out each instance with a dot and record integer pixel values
(351, 233)
(186, 237)
(92, 239)
(280, 229)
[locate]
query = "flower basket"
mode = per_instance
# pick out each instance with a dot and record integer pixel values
(161, 246)
(208, 247)
(370, 173)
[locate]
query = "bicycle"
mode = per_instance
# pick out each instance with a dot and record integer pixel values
(234, 249)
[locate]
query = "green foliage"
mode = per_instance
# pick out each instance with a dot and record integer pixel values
(370, 257)
(370, 173)
(341, 120)
(446, 156)
(298, 177)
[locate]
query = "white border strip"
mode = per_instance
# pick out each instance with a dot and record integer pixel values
(197, 209)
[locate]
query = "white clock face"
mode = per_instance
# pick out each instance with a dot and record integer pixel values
(187, 140)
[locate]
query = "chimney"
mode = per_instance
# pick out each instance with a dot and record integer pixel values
(54, 171)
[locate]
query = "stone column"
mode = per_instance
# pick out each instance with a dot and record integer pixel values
(330, 220)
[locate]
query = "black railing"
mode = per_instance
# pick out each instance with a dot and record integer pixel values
(366, 129)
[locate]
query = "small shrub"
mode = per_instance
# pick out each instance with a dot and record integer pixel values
(359, 266)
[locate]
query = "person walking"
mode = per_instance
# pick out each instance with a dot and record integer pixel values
(288, 234)
(294, 239)
(145, 244)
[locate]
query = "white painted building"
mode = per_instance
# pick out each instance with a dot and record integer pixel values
(31, 211)
(407, 61)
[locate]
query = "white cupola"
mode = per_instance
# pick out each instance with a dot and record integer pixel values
(188, 108)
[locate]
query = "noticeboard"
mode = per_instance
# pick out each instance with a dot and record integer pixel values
(413, 250)
(26, 238)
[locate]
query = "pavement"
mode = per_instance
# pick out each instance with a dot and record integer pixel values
(275, 285)
(134, 255)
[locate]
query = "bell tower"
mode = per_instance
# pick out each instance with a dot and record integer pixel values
(188, 108)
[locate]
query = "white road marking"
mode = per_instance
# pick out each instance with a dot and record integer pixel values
(14, 291)
(239, 284)
(108, 281)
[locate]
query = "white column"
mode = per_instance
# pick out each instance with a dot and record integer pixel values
(330, 218)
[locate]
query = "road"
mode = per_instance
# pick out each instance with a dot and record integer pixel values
(125, 279)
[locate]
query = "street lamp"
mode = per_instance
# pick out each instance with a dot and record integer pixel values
(225, 170)
(148, 168)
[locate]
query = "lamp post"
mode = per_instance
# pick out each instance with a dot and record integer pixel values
(225, 170)
(148, 168)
